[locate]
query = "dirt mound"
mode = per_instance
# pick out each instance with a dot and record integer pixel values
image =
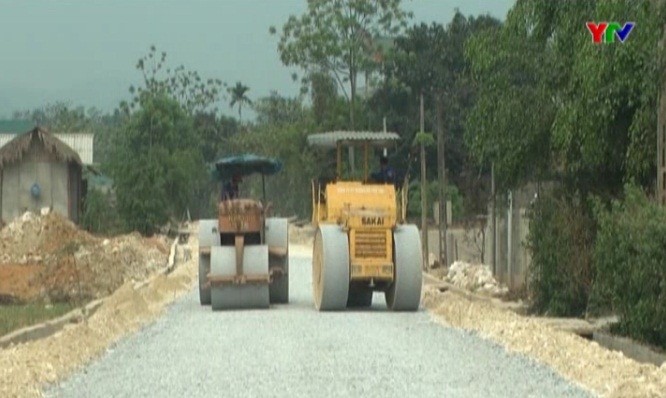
(47, 257)
(475, 278)
(26, 368)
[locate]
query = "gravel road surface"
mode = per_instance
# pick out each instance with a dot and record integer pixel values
(294, 351)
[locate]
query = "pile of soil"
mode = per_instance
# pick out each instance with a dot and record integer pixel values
(475, 278)
(26, 368)
(46, 257)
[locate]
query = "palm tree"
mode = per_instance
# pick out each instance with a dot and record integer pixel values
(238, 97)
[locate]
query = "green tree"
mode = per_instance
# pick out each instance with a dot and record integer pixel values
(58, 117)
(511, 120)
(553, 104)
(279, 110)
(188, 88)
(157, 172)
(337, 38)
(214, 133)
(429, 59)
(239, 97)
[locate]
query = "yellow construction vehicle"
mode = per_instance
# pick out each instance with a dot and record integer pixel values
(362, 243)
(244, 254)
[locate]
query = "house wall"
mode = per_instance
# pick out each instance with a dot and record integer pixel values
(75, 191)
(60, 186)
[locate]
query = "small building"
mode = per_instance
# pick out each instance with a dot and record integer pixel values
(38, 170)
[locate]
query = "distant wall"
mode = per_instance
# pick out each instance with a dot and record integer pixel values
(463, 244)
(475, 244)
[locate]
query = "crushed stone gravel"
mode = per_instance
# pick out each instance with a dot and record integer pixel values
(606, 373)
(294, 351)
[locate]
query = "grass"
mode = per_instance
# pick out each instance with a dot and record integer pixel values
(16, 316)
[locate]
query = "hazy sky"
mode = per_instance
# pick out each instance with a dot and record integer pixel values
(84, 52)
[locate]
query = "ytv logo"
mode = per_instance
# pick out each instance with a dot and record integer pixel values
(606, 32)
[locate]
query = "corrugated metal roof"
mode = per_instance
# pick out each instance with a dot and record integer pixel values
(330, 139)
(81, 143)
(5, 138)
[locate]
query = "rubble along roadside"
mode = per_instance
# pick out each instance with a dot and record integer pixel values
(26, 368)
(606, 373)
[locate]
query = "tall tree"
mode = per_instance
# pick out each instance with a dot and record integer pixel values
(239, 97)
(156, 169)
(337, 38)
(554, 104)
(323, 94)
(511, 120)
(187, 87)
(429, 59)
(278, 110)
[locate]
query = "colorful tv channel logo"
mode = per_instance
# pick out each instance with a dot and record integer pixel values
(607, 32)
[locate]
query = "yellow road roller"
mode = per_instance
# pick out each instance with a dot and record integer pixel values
(244, 254)
(362, 243)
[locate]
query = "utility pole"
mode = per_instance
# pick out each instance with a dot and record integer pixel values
(441, 174)
(494, 220)
(385, 151)
(424, 196)
(661, 133)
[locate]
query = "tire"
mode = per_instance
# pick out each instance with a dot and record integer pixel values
(330, 268)
(204, 268)
(404, 294)
(277, 234)
(208, 237)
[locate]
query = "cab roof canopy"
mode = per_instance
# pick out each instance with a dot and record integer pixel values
(245, 165)
(352, 138)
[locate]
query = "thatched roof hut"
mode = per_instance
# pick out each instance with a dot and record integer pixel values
(19, 146)
(38, 170)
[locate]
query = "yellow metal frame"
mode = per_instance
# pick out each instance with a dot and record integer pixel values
(371, 254)
(368, 212)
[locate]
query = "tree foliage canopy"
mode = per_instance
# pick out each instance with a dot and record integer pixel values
(239, 97)
(553, 104)
(155, 168)
(187, 87)
(340, 39)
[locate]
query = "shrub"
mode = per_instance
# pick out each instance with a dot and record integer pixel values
(99, 216)
(414, 204)
(561, 238)
(630, 260)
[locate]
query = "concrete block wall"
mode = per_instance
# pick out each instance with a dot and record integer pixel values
(514, 271)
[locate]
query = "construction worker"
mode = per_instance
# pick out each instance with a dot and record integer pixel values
(386, 173)
(230, 190)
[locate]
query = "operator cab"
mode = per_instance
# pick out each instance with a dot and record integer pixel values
(322, 188)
